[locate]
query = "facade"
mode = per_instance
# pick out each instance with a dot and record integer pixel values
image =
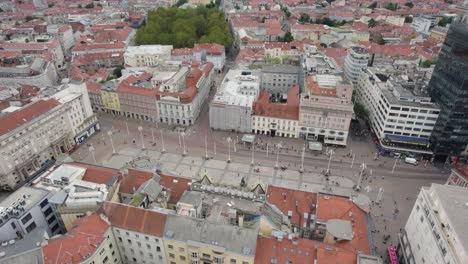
(326, 109)
(30, 138)
(89, 241)
(356, 60)
(231, 107)
(435, 230)
(110, 97)
(276, 116)
(25, 210)
(209, 52)
(181, 98)
(137, 97)
(459, 177)
(81, 118)
(449, 88)
(401, 119)
(147, 55)
(189, 240)
(279, 78)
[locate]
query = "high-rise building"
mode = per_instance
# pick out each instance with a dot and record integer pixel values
(355, 61)
(449, 89)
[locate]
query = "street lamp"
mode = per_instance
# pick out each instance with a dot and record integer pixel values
(184, 153)
(126, 124)
(229, 149)
(152, 135)
(352, 163)
(394, 165)
(206, 146)
(112, 142)
(253, 151)
(301, 170)
(162, 142)
(267, 150)
(140, 128)
(329, 160)
(358, 185)
(278, 147)
(91, 149)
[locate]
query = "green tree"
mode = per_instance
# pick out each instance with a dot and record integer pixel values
(118, 71)
(361, 111)
(391, 6)
(80, 6)
(305, 18)
(408, 19)
(286, 12)
(426, 64)
(372, 23)
(373, 5)
(409, 4)
(444, 21)
(380, 41)
(323, 45)
(91, 5)
(287, 37)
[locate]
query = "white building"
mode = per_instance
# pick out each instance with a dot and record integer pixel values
(25, 210)
(147, 55)
(397, 116)
(356, 60)
(208, 52)
(38, 72)
(421, 25)
(231, 107)
(436, 228)
(83, 121)
(181, 98)
(326, 109)
(30, 137)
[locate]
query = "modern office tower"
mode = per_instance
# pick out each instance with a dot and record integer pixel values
(355, 61)
(449, 89)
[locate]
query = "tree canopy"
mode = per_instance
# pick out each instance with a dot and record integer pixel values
(409, 4)
(391, 6)
(408, 19)
(184, 27)
(372, 23)
(361, 111)
(444, 21)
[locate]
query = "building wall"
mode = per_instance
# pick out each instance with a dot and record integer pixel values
(394, 119)
(139, 106)
(96, 102)
(110, 101)
(136, 247)
(282, 127)
(230, 117)
(106, 252)
(277, 82)
(183, 252)
(457, 178)
(24, 149)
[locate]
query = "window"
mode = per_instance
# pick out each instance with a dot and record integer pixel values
(44, 203)
(181, 250)
(102, 252)
(105, 260)
(194, 254)
(233, 261)
(31, 227)
(158, 249)
(171, 255)
(56, 226)
(182, 258)
(47, 212)
(13, 225)
(206, 256)
(26, 219)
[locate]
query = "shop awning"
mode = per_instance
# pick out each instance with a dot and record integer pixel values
(315, 146)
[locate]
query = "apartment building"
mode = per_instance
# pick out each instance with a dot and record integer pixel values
(137, 97)
(326, 109)
(81, 118)
(279, 78)
(356, 60)
(208, 52)
(231, 107)
(110, 97)
(402, 119)
(421, 25)
(36, 72)
(25, 210)
(91, 240)
(435, 230)
(147, 55)
(276, 115)
(138, 233)
(190, 240)
(181, 98)
(30, 137)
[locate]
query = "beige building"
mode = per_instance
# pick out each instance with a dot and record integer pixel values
(147, 55)
(189, 240)
(326, 109)
(31, 137)
(359, 36)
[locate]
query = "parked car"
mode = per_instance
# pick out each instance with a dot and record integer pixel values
(411, 161)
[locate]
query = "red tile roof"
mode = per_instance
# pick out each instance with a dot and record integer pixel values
(263, 107)
(83, 239)
(284, 251)
(133, 180)
(211, 48)
(134, 218)
(317, 90)
(334, 207)
(288, 199)
(463, 171)
(177, 185)
(26, 114)
(96, 174)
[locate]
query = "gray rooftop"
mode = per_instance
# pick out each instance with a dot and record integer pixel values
(25, 250)
(193, 198)
(25, 197)
(340, 229)
(366, 259)
(281, 68)
(234, 239)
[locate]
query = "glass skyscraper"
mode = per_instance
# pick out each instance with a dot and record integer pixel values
(449, 89)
